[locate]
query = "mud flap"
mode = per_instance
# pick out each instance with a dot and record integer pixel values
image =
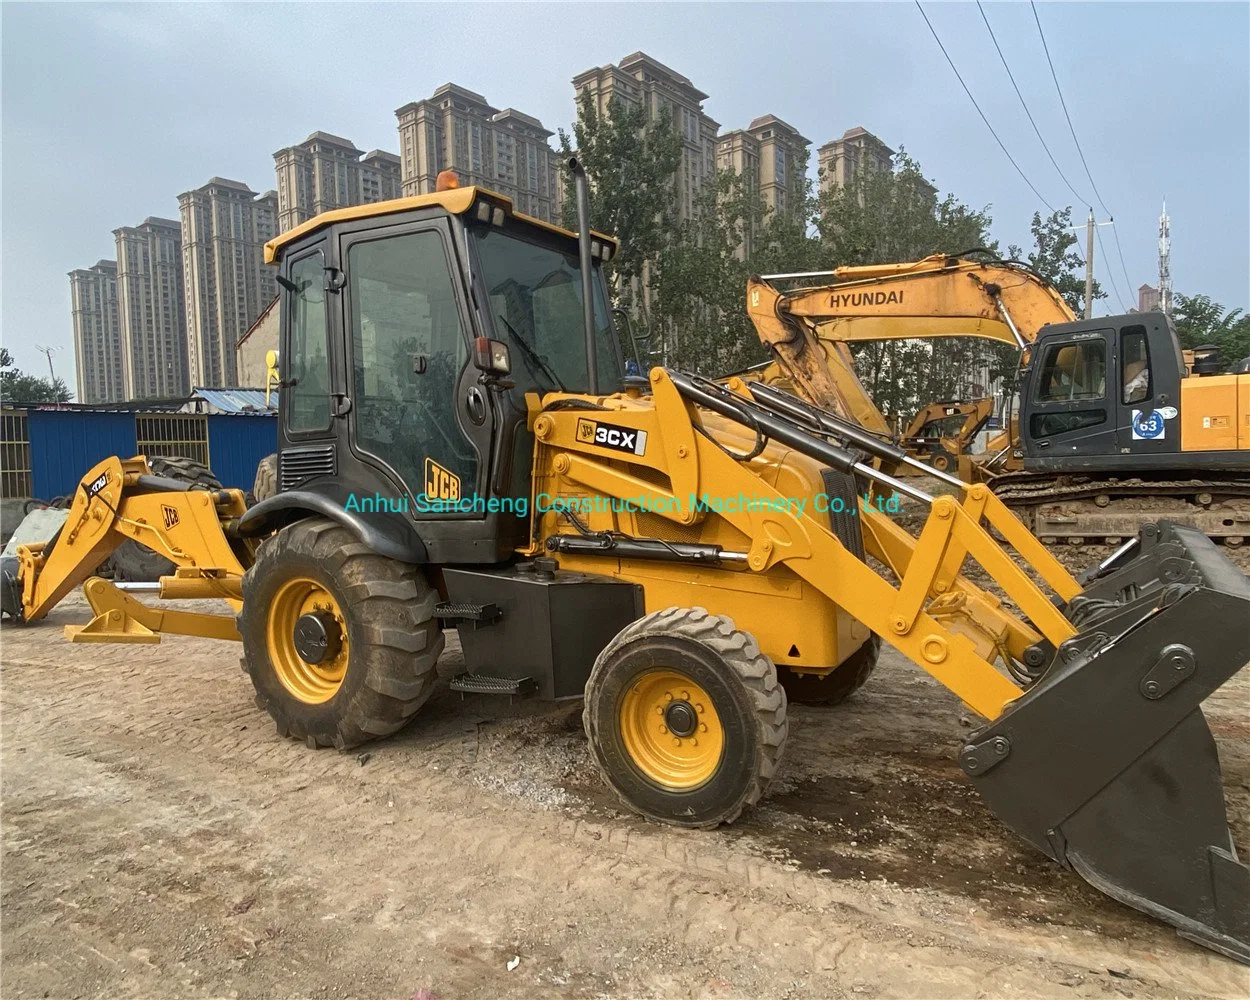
(1107, 764)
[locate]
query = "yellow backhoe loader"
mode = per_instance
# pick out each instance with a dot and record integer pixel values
(1111, 413)
(459, 446)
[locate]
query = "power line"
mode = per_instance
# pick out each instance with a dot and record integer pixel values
(1028, 113)
(1124, 267)
(1080, 152)
(1064, 105)
(1110, 271)
(979, 111)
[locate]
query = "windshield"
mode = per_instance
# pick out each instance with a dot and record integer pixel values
(536, 308)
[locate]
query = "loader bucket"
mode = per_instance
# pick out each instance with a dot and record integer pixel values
(1106, 763)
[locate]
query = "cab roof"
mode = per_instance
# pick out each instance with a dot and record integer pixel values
(456, 201)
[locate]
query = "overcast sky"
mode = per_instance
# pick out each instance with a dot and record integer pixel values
(110, 111)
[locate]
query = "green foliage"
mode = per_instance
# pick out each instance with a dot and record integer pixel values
(630, 163)
(1200, 321)
(884, 216)
(18, 387)
(1057, 258)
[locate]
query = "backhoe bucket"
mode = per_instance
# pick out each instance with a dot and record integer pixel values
(1106, 763)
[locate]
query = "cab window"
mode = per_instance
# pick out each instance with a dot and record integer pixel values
(536, 308)
(307, 354)
(1074, 371)
(1135, 364)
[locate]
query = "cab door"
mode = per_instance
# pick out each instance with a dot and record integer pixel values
(1148, 388)
(1069, 414)
(407, 328)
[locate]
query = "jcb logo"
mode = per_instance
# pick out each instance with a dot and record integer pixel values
(611, 436)
(101, 481)
(440, 483)
(170, 514)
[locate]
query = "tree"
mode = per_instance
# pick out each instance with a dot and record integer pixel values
(18, 387)
(1056, 257)
(700, 280)
(1200, 321)
(630, 164)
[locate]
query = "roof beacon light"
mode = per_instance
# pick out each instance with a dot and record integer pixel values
(446, 180)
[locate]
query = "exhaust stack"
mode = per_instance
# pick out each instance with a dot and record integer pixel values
(583, 252)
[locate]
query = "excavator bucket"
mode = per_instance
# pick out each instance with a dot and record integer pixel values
(1107, 764)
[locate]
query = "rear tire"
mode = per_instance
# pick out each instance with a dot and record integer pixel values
(685, 718)
(389, 637)
(134, 562)
(834, 688)
(266, 484)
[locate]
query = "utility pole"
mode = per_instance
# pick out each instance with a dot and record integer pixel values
(47, 352)
(1089, 266)
(1089, 261)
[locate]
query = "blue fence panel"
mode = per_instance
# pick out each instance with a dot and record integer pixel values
(65, 444)
(237, 443)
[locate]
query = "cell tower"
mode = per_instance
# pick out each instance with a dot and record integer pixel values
(1165, 267)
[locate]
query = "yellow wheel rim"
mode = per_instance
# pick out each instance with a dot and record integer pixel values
(670, 729)
(313, 683)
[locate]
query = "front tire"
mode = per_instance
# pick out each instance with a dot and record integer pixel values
(685, 718)
(341, 644)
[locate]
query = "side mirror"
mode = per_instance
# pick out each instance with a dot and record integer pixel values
(272, 378)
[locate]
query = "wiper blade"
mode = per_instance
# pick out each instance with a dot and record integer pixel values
(532, 354)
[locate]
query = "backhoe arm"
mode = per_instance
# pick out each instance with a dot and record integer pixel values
(117, 500)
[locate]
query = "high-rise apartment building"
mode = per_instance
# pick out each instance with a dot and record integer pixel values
(640, 81)
(152, 309)
(97, 333)
(503, 150)
(858, 150)
(225, 226)
(771, 156)
(325, 172)
(1148, 298)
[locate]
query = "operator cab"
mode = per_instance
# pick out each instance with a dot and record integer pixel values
(411, 331)
(1103, 390)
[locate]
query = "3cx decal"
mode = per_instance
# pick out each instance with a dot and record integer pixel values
(610, 436)
(1151, 425)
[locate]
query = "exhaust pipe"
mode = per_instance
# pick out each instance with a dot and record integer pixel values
(582, 189)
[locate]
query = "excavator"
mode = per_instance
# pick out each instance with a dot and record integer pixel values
(460, 445)
(1115, 425)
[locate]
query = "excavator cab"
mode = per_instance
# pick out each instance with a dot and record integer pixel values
(1115, 394)
(1103, 393)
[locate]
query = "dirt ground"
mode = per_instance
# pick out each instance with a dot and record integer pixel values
(159, 840)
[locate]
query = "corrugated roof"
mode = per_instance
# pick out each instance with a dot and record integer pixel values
(231, 400)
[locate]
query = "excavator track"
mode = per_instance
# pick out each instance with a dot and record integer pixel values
(1066, 509)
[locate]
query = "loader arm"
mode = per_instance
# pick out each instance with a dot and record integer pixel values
(1094, 750)
(117, 500)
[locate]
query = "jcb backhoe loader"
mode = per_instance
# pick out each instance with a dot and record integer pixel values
(459, 446)
(1110, 413)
